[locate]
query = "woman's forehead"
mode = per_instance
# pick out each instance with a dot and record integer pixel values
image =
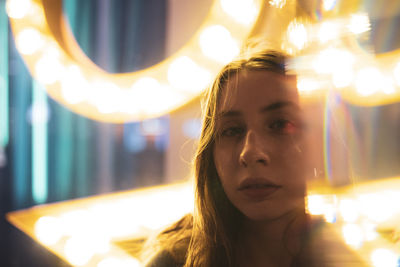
(257, 87)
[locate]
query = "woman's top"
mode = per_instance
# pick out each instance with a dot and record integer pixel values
(322, 247)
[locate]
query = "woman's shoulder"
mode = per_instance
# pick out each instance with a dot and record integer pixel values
(325, 246)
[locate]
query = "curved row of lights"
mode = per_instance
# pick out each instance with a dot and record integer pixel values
(330, 58)
(80, 235)
(54, 58)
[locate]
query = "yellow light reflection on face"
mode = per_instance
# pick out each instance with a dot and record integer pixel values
(17, 9)
(242, 11)
(217, 43)
(48, 230)
(307, 85)
(185, 75)
(29, 41)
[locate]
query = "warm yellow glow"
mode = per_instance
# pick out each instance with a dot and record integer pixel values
(384, 258)
(297, 34)
(242, 11)
(378, 207)
(28, 41)
(148, 96)
(78, 251)
(333, 60)
(396, 73)
(307, 85)
(370, 233)
(315, 204)
(353, 235)
(117, 262)
(49, 68)
(48, 230)
(388, 86)
(185, 75)
(277, 3)
(349, 210)
(105, 96)
(328, 31)
(368, 81)
(329, 4)
(74, 87)
(359, 23)
(217, 43)
(343, 77)
(18, 9)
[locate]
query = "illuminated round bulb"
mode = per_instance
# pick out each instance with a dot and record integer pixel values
(217, 43)
(149, 97)
(329, 4)
(18, 9)
(47, 230)
(105, 96)
(297, 34)
(343, 77)
(78, 251)
(29, 41)
(388, 85)
(396, 72)
(384, 258)
(328, 31)
(333, 60)
(184, 74)
(369, 231)
(353, 235)
(48, 68)
(243, 11)
(368, 81)
(39, 113)
(315, 204)
(307, 85)
(73, 85)
(349, 210)
(359, 23)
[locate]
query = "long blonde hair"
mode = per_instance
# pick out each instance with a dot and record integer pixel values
(208, 238)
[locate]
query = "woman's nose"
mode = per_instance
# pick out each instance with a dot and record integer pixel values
(253, 151)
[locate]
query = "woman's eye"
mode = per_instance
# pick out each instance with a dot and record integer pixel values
(283, 126)
(232, 131)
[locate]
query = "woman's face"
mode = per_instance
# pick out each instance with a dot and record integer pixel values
(258, 148)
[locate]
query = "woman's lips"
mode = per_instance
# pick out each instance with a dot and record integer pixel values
(258, 188)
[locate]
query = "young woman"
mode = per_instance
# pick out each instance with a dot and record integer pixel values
(250, 174)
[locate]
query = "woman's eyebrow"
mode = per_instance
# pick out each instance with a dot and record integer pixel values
(279, 105)
(228, 114)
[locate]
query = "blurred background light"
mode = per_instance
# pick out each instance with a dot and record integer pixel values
(18, 9)
(185, 75)
(74, 87)
(353, 235)
(217, 43)
(242, 11)
(368, 81)
(29, 41)
(384, 258)
(359, 23)
(297, 34)
(48, 230)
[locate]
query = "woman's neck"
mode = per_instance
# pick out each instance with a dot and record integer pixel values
(272, 242)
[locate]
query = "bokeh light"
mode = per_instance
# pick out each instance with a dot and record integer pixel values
(242, 11)
(29, 41)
